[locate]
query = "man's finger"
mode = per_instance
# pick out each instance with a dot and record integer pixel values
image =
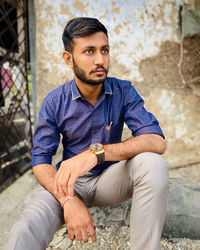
(92, 233)
(56, 182)
(59, 190)
(55, 188)
(78, 234)
(84, 235)
(70, 234)
(70, 186)
(62, 183)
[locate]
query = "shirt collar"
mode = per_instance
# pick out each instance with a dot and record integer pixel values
(76, 94)
(75, 91)
(107, 87)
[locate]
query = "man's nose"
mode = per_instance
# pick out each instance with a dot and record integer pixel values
(99, 60)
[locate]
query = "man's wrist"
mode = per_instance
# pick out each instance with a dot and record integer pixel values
(93, 158)
(68, 198)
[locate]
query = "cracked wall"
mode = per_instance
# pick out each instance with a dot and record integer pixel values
(139, 32)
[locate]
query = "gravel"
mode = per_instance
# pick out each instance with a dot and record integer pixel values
(115, 237)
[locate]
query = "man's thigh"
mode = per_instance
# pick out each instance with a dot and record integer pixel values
(114, 185)
(117, 183)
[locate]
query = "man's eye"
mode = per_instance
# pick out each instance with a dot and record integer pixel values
(105, 51)
(88, 51)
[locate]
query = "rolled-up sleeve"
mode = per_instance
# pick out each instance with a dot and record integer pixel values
(136, 117)
(46, 137)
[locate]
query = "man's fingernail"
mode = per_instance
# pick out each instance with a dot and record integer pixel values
(69, 197)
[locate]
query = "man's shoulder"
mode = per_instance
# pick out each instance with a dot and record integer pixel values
(119, 83)
(124, 88)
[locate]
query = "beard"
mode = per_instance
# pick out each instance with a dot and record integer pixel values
(81, 75)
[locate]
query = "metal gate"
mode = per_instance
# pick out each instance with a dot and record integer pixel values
(15, 118)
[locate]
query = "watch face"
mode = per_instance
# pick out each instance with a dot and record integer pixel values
(96, 146)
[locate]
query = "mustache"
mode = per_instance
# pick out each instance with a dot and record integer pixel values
(99, 67)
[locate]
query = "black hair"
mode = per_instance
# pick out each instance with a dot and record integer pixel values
(80, 27)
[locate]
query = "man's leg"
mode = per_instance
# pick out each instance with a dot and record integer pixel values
(145, 179)
(37, 224)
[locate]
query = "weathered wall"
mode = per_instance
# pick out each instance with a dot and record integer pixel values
(141, 33)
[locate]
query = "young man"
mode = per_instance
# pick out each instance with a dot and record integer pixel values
(97, 169)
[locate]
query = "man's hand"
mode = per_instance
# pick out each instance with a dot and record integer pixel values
(78, 220)
(70, 170)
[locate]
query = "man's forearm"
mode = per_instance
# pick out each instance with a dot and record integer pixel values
(136, 145)
(45, 174)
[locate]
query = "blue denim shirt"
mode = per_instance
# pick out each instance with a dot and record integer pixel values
(65, 112)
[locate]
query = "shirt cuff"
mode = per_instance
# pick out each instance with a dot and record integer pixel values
(41, 159)
(153, 129)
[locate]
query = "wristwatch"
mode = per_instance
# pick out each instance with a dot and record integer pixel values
(98, 150)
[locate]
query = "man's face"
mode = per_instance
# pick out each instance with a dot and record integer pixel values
(91, 58)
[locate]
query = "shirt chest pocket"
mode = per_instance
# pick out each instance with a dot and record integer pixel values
(113, 132)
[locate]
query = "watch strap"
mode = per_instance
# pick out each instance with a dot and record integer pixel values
(100, 157)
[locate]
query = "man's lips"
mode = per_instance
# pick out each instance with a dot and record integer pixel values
(99, 71)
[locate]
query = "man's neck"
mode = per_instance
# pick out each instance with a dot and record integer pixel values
(90, 92)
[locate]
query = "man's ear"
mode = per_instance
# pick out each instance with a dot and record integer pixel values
(68, 59)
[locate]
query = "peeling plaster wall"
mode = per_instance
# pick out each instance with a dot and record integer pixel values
(137, 29)
(180, 119)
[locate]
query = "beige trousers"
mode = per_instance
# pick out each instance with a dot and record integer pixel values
(144, 178)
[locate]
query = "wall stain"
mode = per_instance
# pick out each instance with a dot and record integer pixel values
(79, 5)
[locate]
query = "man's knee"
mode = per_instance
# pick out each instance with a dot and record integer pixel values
(150, 169)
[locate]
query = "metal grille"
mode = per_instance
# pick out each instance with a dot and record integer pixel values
(15, 122)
